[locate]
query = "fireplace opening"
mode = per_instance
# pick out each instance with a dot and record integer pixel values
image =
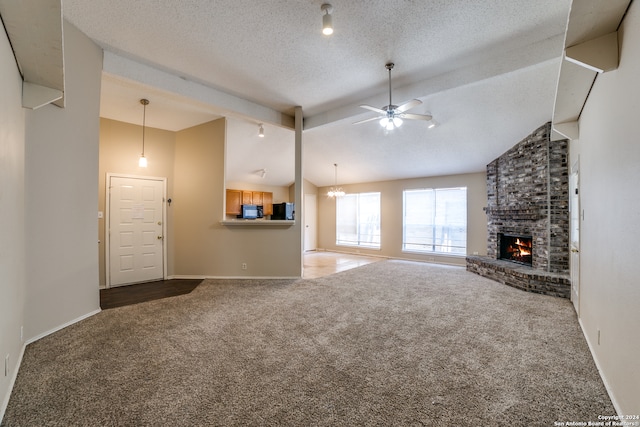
(516, 248)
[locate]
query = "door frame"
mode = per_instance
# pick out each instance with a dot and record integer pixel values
(575, 220)
(107, 223)
(313, 215)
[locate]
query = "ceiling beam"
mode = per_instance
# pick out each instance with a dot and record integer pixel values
(34, 28)
(221, 103)
(591, 47)
(501, 63)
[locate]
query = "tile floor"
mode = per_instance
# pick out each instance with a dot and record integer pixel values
(319, 264)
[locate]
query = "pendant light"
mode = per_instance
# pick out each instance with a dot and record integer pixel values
(260, 131)
(336, 191)
(142, 161)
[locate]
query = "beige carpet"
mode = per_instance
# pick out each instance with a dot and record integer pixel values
(390, 343)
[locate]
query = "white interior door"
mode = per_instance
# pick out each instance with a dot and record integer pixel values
(310, 222)
(135, 230)
(574, 210)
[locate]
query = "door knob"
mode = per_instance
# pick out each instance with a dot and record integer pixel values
(574, 250)
(159, 237)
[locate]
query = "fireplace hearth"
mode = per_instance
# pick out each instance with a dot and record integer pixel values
(516, 248)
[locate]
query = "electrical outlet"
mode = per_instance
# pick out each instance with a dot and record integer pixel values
(244, 265)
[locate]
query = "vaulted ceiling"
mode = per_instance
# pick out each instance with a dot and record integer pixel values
(486, 71)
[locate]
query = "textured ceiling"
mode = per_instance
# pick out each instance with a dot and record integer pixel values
(486, 71)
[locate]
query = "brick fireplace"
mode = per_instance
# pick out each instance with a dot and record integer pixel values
(528, 198)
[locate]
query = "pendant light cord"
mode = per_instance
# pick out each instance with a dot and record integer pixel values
(389, 86)
(144, 103)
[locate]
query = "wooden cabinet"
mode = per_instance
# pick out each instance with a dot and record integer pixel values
(234, 202)
(257, 197)
(267, 203)
(247, 198)
(237, 198)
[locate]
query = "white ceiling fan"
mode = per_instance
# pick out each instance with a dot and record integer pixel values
(391, 115)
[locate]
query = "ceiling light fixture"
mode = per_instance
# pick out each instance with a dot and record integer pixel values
(336, 191)
(389, 123)
(390, 116)
(327, 25)
(261, 131)
(142, 161)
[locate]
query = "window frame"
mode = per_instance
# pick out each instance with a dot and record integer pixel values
(436, 249)
(360, 241)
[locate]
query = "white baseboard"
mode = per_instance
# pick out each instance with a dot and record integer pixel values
(64, 325)
(600, 372)
(234, 277)
(14, 376)
(12, 382)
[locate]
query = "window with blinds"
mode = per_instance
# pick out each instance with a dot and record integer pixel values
(358, 220)
(435, 220)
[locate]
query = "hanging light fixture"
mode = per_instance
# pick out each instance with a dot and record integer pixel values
(260, 131)
(142, 161)
(327, 25)
(336, 191)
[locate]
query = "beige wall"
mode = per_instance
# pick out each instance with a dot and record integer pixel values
(61, 170)
(120, 147)
(12, 223)
(192, 160)
(609, 158)
(203, 246)
(391, 216)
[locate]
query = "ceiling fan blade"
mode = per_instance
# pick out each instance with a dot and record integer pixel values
(416, 116)
(408, 105)
(366, 120)
(377, 110)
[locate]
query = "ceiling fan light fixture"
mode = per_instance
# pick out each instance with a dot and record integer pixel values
(391, 115)
(390, 125)
(327, 24)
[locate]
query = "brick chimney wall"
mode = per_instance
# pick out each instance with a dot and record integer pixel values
(528, 194)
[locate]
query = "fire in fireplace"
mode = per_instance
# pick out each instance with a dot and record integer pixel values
(516, 248)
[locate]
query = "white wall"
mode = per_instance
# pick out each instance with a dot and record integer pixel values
(61, 186)
(12, 225)
(609, 156)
